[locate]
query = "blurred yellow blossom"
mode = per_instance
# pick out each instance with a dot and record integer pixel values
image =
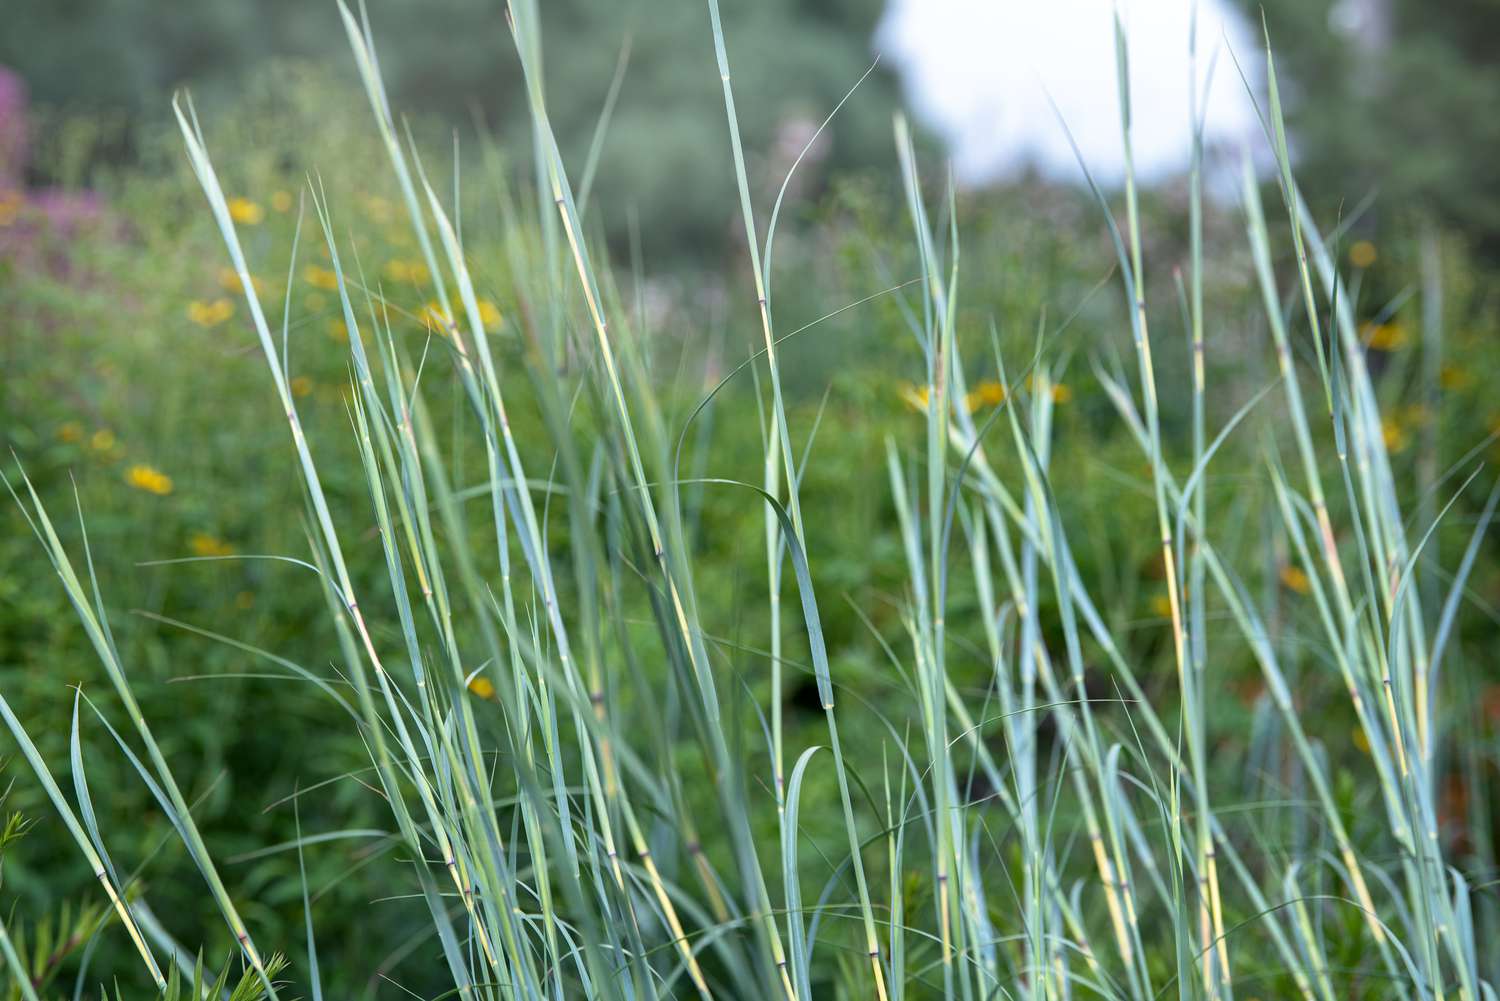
(301, 386)
(489, 314)
(1362, 253)
(1061, 391)
(1361, 739)
(1295, 579)
(149, 479)
(210, 314)
(482, 687)
(70, 431)
(1394, 434)
(1455, 377)
(435, 318)
(229, 280)
(1161, 606)
(281, 201)
(320, 277)
(405, 271)
(915, 396)
(245, 212)
(986, 393)
(103, 442)
(204, 544)
(1385, 336)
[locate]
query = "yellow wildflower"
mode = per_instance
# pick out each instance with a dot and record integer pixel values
(1161, 607)
(210, 314)
(338, 331)
(103, 441)
(1295, 579)
(204, 544)
(1394, 435)
(1385, 336)
(71, 431)
(1362, 253)
(987, 393)
(399, 270)
(1361, 739)
(229, 280)
(915, 396)
(245, 212)
(1061, 392)
(149, 479)
(489, 314)
(281, 201)
(302, 386)
(320, 277)
(434, 318)
(1454, 377)
(482, 687)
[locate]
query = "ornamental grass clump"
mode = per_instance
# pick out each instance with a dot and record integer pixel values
(593, 805)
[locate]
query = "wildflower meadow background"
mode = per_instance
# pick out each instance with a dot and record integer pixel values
(500, 505)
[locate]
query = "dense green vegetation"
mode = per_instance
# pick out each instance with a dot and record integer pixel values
(668, 161)
(1394, 100)
(623, 740)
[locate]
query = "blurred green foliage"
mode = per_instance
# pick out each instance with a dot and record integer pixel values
(1396, 97)
(666, 158)
(1406, 111)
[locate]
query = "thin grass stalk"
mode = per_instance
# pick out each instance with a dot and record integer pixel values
(1197, 614)
(1430, 870)
(1431, 271)
(671, 565)
(782, 435)
(1257, 637)
(18, 971)
(939, 340)
(1103, 825)
(1216, 974)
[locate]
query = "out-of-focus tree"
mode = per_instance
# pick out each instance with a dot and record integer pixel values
(1398, 97)
(666, 159)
